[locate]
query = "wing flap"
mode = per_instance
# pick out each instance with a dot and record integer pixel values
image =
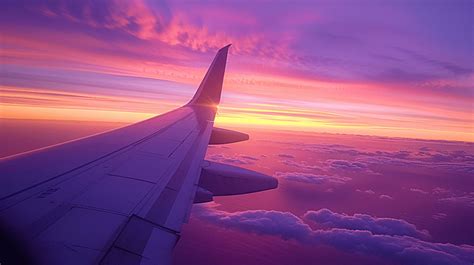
(140, 241)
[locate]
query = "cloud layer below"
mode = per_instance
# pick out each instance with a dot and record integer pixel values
(393, 239)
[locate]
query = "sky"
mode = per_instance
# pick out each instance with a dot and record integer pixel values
(341, 199)
(385, 68)
(362, 109)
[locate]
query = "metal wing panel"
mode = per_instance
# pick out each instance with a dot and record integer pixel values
(24, 171)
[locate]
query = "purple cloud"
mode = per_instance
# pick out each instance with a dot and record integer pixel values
(385, 197)
(311, 178)
(447, 160)
(466, 199)
(454, 196)
(283, 224)
(418, 191)
(439, 216)
(349, 166)
(236, 159)
(377, 226)
(371, 192)
(377, 162)
(346, 165)
(439, 190)
(400, 249)
(302, 165)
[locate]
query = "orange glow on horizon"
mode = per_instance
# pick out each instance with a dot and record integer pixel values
(234, 120)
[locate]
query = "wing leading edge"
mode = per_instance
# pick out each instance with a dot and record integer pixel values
(122, 196)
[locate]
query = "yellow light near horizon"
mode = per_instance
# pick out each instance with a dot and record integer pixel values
(309, 125)
(274, 121)
(45, 113)
(240, 120)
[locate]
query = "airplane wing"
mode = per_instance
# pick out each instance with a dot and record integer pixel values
(120, 197)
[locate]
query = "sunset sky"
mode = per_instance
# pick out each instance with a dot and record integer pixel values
(399, 69)
(332, 94)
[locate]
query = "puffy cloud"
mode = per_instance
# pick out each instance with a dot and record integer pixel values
(396, 248)
(377, 226)
(283, 224)
(346, 165)
(236, 159)
(311, 178)
(402, 249)
(449, 160)
(335, 165)
(302, 165)
(370, 162)
(457, 161)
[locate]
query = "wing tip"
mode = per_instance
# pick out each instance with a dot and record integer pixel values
(225, 47)
(209, 91)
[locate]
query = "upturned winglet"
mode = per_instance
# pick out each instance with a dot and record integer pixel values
(209, 91)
